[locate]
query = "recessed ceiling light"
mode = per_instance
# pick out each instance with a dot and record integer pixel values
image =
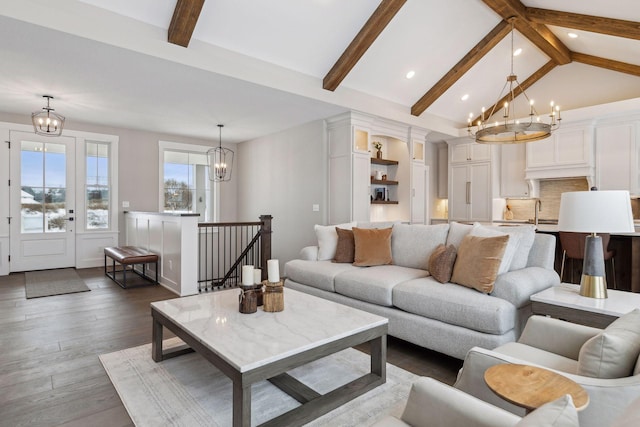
(410, 74)
(572, 35)
(517, 52)
(465, 97)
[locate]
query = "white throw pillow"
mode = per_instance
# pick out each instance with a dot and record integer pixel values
(328, 239)
(527, 235)
(509, 252)
(612, 353)
(559, 413)
(457, 232)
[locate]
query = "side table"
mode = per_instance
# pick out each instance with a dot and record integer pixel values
(531, 387)
(565, 302)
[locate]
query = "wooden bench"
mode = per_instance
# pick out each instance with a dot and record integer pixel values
(129, 255)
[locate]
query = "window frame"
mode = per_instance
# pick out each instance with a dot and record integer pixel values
(185, 148)
(109, 185)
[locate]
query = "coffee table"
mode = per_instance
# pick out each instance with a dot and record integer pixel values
(263, 346)
(531, 387)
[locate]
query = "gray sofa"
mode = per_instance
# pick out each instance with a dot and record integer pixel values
(444, 317)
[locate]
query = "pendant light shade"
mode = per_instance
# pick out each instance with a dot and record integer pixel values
(46, 122)
(220, 161)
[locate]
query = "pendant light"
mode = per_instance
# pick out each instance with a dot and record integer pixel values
(220, 161)
(46, 122)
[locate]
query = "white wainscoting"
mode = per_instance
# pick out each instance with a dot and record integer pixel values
(90, 248)
(175, 239)
(4, 255)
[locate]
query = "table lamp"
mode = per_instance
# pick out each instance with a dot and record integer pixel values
(595, 212)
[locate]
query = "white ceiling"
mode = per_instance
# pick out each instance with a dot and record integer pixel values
(257, 65)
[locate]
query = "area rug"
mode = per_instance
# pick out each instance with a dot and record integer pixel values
(45, 283)
(189, 391)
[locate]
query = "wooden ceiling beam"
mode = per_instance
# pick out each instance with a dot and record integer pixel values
(540, 73)
(183, 22)
(594, 24)
(608, 64)
(362, 41)
(539, 34)
(464, 65)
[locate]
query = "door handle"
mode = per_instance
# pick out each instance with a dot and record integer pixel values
(468, 197)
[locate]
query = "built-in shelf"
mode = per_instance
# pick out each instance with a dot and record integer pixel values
(384, 182)
(376, 161)
(384, 202)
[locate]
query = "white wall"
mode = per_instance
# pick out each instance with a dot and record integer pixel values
(284, 174)
(138, 168)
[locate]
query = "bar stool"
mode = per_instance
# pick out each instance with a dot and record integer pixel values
(573, 248)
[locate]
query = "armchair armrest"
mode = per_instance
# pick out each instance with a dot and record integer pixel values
(309, 253)
(566, 340)
(433, 404)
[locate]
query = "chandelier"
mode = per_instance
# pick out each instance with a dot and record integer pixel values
(510, 130)
(46, 122)
(220, 161)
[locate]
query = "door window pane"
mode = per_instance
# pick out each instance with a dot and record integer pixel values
(43, 185)
(98, 188)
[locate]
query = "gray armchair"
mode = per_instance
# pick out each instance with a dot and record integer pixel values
(605, 362)
(434, 404)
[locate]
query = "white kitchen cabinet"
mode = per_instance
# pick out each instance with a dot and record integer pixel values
(419, 193)
(567, 152)
(512, 167)
(472, 152)
(617, 157)
(470, 192)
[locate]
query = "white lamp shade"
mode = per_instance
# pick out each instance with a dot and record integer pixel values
(596, 212)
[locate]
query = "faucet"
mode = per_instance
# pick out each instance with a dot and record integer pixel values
(536, 211)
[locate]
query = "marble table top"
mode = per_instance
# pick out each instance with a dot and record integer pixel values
(568, 295)
(248, 341)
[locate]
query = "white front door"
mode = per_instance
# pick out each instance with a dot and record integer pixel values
(42, 202)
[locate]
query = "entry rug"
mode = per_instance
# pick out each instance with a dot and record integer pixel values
(45, 283)
(189, 391)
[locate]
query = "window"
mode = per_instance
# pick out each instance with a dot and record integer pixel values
(186, 185)
(98, 188)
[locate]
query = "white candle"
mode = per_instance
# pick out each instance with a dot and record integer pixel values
(247, 275)
(273, 270)
(257, 276)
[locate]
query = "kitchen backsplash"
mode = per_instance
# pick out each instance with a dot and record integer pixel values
(550, 192)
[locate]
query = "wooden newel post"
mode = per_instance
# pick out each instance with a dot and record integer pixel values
(265, 243)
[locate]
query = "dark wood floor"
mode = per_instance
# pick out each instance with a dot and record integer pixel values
(50, 374)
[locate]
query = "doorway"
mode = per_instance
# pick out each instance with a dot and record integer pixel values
(42, 202)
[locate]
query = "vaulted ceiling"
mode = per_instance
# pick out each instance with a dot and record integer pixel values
(319, 57)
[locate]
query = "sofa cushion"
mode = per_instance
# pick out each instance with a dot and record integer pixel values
(478, 261)
(346, 247)
(372, 247)
(558, 413)
(441, 262)
(510, 250)
(614, 352)
(412, 245)
(328, 239)
(527, 235)
(375, 284)
(457, 232)
(630, 416)
(319, 274)
(455, 305)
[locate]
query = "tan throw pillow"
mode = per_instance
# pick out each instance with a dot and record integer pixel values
(614, 352)
(346, 248)
(478, 261)
(373, 246)
(441, 262)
